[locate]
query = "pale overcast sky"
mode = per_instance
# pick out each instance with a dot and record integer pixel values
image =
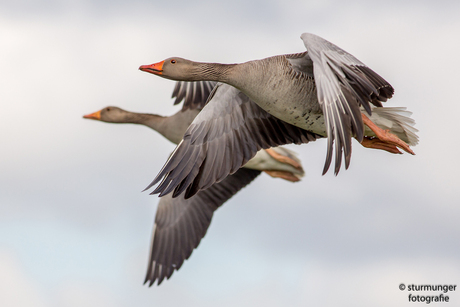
(75, 227)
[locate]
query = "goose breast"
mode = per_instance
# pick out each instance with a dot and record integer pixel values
(284, 86)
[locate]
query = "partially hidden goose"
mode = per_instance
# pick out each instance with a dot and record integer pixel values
(181, 223)
(277, 162)
(324, 92)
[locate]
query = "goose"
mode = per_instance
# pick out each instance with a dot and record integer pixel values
(324, 92)
(278, 162)
(181, 223)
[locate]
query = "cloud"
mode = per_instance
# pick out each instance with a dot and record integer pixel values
(72, 186)
(18, 289)
(75, 294)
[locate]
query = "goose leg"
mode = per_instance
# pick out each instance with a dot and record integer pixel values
(282, 159)
(387, 141)
(283, 175)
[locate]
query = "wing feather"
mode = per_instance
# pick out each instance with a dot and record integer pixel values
(343, 85)
(181, 223)
(193, 94)
(212, 150)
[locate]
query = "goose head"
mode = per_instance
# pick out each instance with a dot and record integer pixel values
(109, 114)
(174, 68)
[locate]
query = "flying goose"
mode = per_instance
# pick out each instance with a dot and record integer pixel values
(181, 223)
(324, 92)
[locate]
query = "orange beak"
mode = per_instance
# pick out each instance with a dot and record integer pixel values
(95, 115)
(156, 69)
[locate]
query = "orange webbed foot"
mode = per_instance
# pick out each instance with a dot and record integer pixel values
(283, 159)
(283, 175)
(388, 141)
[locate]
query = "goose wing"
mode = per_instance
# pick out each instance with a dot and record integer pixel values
(194, 94)
(181, 223)
(343, 84)
(223, 137)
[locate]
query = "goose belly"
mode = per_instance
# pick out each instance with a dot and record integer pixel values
(296, 103)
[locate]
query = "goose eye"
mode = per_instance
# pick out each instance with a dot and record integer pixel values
(173, 61)
(108, 109)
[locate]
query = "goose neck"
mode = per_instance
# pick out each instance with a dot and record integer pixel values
(150, 120)
(213, 72)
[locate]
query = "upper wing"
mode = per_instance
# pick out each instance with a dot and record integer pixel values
(194, 94)
(181, 223)
(222, 138)
(343, 84)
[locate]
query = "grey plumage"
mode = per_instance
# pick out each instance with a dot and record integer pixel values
(219, 131)
(181, 223)
(320, 92)
(193, 94)
(343, 83)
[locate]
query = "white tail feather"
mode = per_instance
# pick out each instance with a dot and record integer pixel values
(397, 120)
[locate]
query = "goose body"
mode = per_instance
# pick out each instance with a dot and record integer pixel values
(279, 88)
(324, 92)
(276, 84)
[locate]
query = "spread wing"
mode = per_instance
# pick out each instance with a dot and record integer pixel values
(194, 94)
(343, 84)
(223, 137)
(180, 224)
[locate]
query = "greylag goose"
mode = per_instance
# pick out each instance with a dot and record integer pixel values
(181, 223)
(277, 162)
(171, 127)
(323, 92)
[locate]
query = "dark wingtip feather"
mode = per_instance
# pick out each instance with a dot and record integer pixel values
(193, 94)
(328, 161)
